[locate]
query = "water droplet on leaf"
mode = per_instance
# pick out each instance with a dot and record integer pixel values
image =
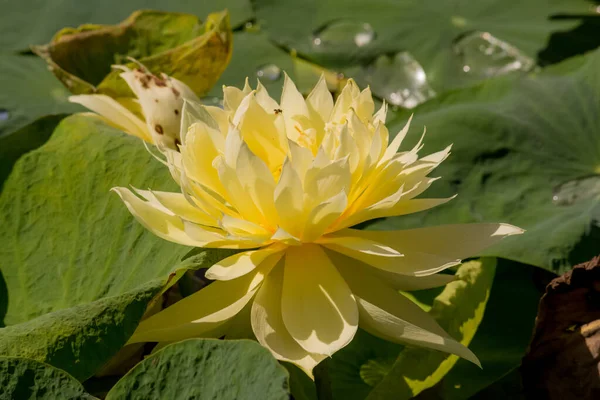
(269, 72)
(399, 79)
(4, 114)
(343, 33)
(576, 190)
(483, 56)
(212, 101)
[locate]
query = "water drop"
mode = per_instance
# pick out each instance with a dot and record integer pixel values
(4, 114)
(343, 34)
(269, 72)
(399, 79)
(484, 56)
(212, 101)
(576, 190)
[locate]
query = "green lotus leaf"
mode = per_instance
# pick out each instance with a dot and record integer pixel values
(526, 152)
(339, 33)
(79, 271)
(21, 378)
(171, 43)
(206, 369)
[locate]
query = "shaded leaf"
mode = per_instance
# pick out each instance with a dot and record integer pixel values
(29, 91)
(333, 33)
(525, 152)
(459, 310)
(206, 369)
(30, 22)
(76, 264)
(24, 379)
(253, 53)
(19, 142)
(174, 44)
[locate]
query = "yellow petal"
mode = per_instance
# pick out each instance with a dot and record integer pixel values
(426, 250)
(232, 96)
(258, 183)
(395, 145)
(364, 105)
(410, 283)
(266, 102)
(292, 105)
(320, 99)
(344, 102)
(204, 312)
(317, 306)
(156, 219)
(400, 208)
(391, 316)
(323, 182)
(114, 113)
(241, 263)
(202, 145)
(289, 200)
(176, 204)
(242, 228)
(217, 239)
(270, 331)
(323, 215)
(235, 193)
(260, 132)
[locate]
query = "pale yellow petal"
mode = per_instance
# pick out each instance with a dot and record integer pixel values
(323, 215)
(323, 182)
(215, 238)
(260, 132)
(114, 113)
(232, 96)
(176, 204)
(426, 250)
(317, 306)
(395, 145)
(241, 263)
(204, 312)
(292, 104)
(320, 99)
(391, 316)
(270, 331)
(156, 219)
(235, 193)
(289, 200)
(258, 183)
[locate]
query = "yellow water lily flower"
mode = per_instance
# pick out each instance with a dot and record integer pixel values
(154, 116)
(284, 183)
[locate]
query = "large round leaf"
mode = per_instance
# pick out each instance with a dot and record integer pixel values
(527, 152)
(206, 369)
(30, 22)
(79, 270)
(323, 30)
(255, 57)
(25, 379)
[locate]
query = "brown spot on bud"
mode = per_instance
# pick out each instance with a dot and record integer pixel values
(144, 80)
(156, 100)
(176, 112)
(159, 129)
(159, 82)
(278, 111)
(175, 92)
